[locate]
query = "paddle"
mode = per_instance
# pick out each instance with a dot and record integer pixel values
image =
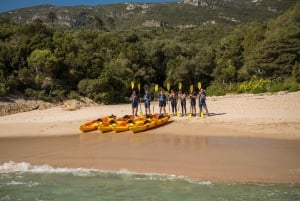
(191, 91)
(168, 88)
(179, 87)
(139, 88)
(191, 88)
(156, 90)
(199, 87)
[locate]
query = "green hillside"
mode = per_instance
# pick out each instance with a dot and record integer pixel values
(131, 15)
(54, 64)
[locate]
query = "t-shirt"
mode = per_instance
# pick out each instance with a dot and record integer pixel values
(162, 98)
(147, 97)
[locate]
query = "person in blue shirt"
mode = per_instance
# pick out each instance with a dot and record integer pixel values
(134, 103)
(202, 101)
(147, 99)
(162, 101)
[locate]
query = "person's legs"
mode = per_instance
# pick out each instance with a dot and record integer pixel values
(200, 107)
(183, 108)
(149, 109)
(173, 109)
(136, 109)
(146, 109)
(206, 110)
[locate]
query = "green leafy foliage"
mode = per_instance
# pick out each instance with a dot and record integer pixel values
(54, 64)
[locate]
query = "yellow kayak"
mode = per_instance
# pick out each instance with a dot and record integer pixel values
(151, 123)
(121, 126)
(89, 126)
(93, 125)
(111, 124)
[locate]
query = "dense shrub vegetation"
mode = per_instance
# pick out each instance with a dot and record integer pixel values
(56, 64)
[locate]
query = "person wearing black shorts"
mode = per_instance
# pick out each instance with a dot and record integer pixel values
(134, 103)
(162, 101)
(182, 98)
(202, 101)
(173, 100)
(147, 99)
(193, 103)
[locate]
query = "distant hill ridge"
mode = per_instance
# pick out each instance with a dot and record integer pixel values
(186, 13)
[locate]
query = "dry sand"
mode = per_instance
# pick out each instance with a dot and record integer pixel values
(247, 138)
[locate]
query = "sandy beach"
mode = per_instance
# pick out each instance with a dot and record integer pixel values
(247, 138)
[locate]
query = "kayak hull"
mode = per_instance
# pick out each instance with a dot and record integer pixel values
(89, 126)
(153, 123)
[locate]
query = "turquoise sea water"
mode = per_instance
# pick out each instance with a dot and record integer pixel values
(23, 181)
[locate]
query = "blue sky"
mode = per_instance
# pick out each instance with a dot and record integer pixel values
(6, 5)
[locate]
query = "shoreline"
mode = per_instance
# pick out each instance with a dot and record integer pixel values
(214, 159)
(247, 138)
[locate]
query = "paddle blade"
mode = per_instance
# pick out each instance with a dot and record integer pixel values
(179, 85)
(168, 86)
(139, 87)
(191, 88)
(132, 85)
(199, 85)
(156, 88)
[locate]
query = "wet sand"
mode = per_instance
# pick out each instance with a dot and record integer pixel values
(221, 159)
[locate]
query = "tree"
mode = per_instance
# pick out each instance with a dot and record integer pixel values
(43, 63)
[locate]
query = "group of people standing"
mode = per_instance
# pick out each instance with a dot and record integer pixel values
(177, 100)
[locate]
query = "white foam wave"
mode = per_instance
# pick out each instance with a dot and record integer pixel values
(161, 177)
(11, 167)
(29, 184)
(27, 167)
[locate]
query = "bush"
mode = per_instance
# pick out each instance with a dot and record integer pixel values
(73, 95)
(104, 98)
(293, 87)
(255, 85)
(215, 90)
(31, 93)
(277, 87)
(3, 90)
(258, 90)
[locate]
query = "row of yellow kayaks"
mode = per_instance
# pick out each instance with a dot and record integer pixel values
(128, 122)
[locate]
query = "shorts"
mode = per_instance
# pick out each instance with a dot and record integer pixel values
(134, 105)
(147, 104)
(202, 103)
(193, 103)
(162, 103)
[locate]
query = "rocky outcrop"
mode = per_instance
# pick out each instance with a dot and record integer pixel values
(73, 104)
(12, 106)
(17, 105)
(152, 23)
